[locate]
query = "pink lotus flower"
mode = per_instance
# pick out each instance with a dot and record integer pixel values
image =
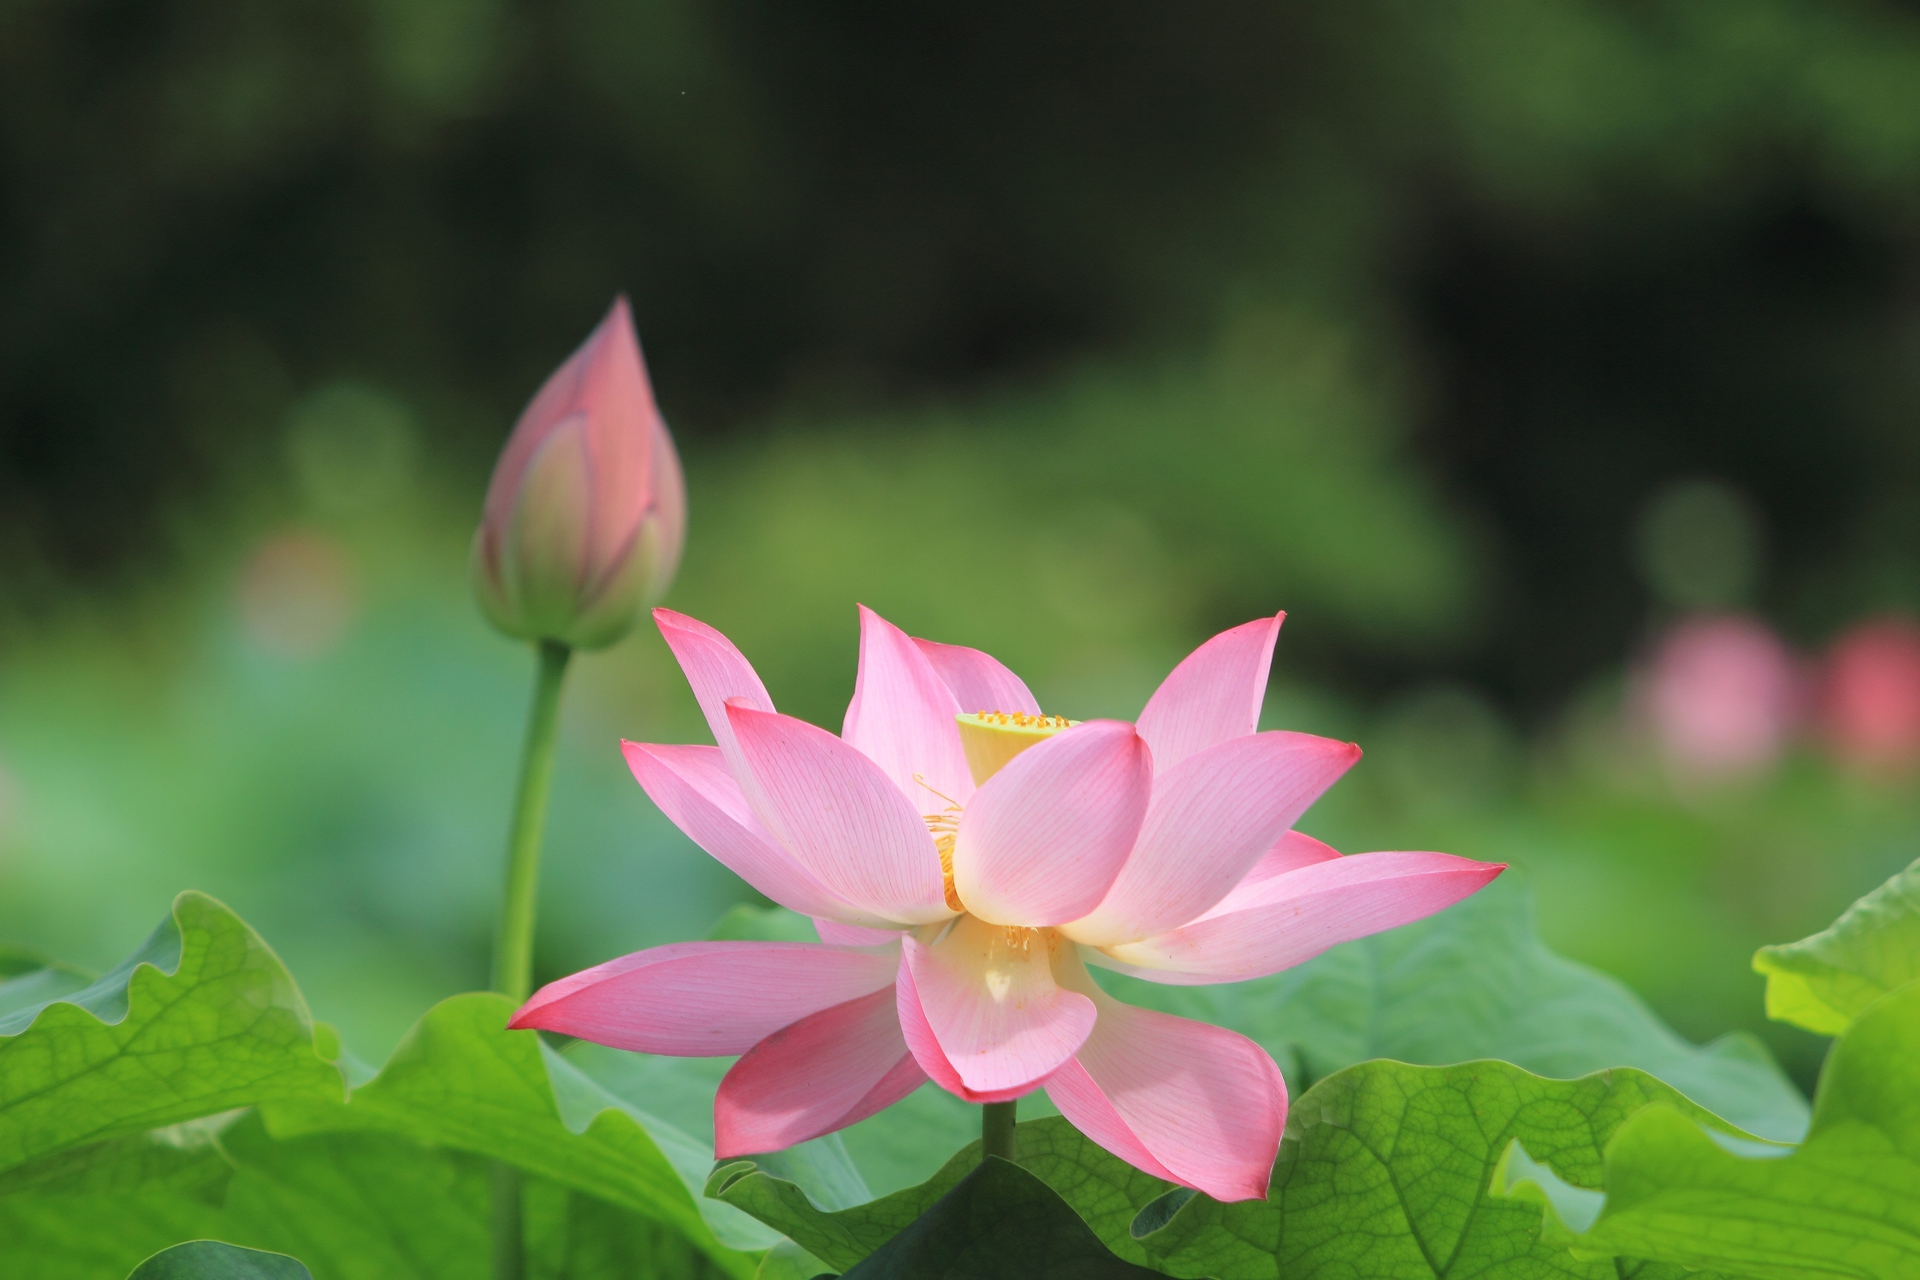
(1722, 696)
(1870, 697)
(964, 869)
(587, 509)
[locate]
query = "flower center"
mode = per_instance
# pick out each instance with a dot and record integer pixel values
(991, 738)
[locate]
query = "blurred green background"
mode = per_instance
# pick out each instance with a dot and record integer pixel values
(1492, 340)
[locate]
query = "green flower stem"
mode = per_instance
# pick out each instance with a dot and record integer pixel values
(996, 1129)
(513, 945)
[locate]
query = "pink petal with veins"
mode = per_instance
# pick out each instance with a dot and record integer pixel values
(979, 682)
(719, 673)
(823, 1073)
(1212, 817)
(1275, 924)
(706, 999)
(840, 817)
(852, 935)
(1205, 1106)
(926, 1050)
(993, 1006)
(902, 718)
(1044, 838)
(695, 790)
(1289, 853)
(1213, 695)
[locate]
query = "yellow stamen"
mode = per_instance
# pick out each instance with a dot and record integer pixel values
(945, 826)
(991, 738)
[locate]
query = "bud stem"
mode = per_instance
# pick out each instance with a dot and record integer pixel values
(996, 1129)
(513, 944)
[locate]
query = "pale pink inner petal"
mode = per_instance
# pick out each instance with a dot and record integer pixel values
(926, 1050)
(841, 818)
(718, 673)
(1206, 1106)
(706, 999)
(978, 681)
(823, 1073)
(902, 718)
(990, 999)
(1213, 695)
(1044, 838)
(1289, 853)
(694, 788)
(1278, 923)
(1211, 819)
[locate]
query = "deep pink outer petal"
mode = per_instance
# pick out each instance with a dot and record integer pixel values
(705, 999)
(1213, 695)
(1278, 923)
(902, 718)
(926, 1050)
(1205, 1105)
(694, 788)
(719, 673)
(992, 1004)
(978, 680)
(1212, 817)
(840, 817)
(823, 1073)
(1044, 838)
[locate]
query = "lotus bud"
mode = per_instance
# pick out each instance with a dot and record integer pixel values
(587, 510)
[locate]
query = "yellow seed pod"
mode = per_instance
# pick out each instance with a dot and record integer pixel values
(991, 738)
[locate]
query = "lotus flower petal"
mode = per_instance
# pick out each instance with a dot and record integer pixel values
(719, 674)
(990, 1000)
(852, 935)
(822, 1073)
(1289, 853)
(1192, 1103)
(978, 681)
(706, 999)
(694, 788)
(926, 1050)
(1212, 817)
(1044, 837)
(1277, 923)
(1213, 695)
(840, 817)
(902, 717)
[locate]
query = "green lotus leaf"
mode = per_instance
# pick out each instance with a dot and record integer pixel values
(203, 1018)
(353, 1205)
(999, 1220)
(1385, 1172)
(1823, 982)
(461, 1080)
(1845, 1203)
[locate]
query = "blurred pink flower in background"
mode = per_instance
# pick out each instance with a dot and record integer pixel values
(1721, 695)
(1870, 694)
(587, 510)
